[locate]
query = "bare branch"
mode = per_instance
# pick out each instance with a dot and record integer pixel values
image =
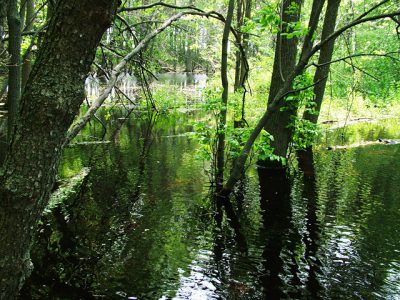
(127, 26)
(356, 55)
(123, 9)
(362, 71)
(111, 50)
(372, 9)
(306, 87)
(275, 104)
(114, 77)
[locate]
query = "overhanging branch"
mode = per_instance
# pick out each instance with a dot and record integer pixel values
(388, 55)
(275, 104)
(114, 77)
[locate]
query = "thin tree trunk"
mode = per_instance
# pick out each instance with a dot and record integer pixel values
(278, 101)
(3, 52)
(325, 56)
(27, 64)
(22, 13)
(224, 101)
(238, 55)
(3, 17)
(188, 55)
(14, 73)
(49, 104)
(246, 38)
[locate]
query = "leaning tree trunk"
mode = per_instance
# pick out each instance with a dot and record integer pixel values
(278, 101)
(284, 63)
(325, 56)
(49, 104)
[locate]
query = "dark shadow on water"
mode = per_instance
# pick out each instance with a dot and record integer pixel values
(224, 205)
(49, 257)
(311, 238)
(276, 234)
(280, 276)
(145, 208)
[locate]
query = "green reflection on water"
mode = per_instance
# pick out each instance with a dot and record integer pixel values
(142, 224)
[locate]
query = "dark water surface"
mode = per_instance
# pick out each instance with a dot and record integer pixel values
(142, 224)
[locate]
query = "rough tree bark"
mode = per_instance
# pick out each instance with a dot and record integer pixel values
(325, 56)
(50, 102)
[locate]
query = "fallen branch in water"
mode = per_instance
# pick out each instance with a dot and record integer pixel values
(367, 143)
(89, 143)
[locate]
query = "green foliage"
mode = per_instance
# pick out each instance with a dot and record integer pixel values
(264, 150)
(168, 97)
(205, 135)
(304, 132)
(303, 95)
(294, 30)
(293, 8)
(268, 17)
(206, 130)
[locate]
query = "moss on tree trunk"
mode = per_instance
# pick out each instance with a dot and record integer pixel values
(49, 104)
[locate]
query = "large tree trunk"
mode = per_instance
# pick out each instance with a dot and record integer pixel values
(325, 56)
(284, 63)
(279, 121)
(49, 104)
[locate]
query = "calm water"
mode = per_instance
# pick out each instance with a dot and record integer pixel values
(129, 84)
(142, 224)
